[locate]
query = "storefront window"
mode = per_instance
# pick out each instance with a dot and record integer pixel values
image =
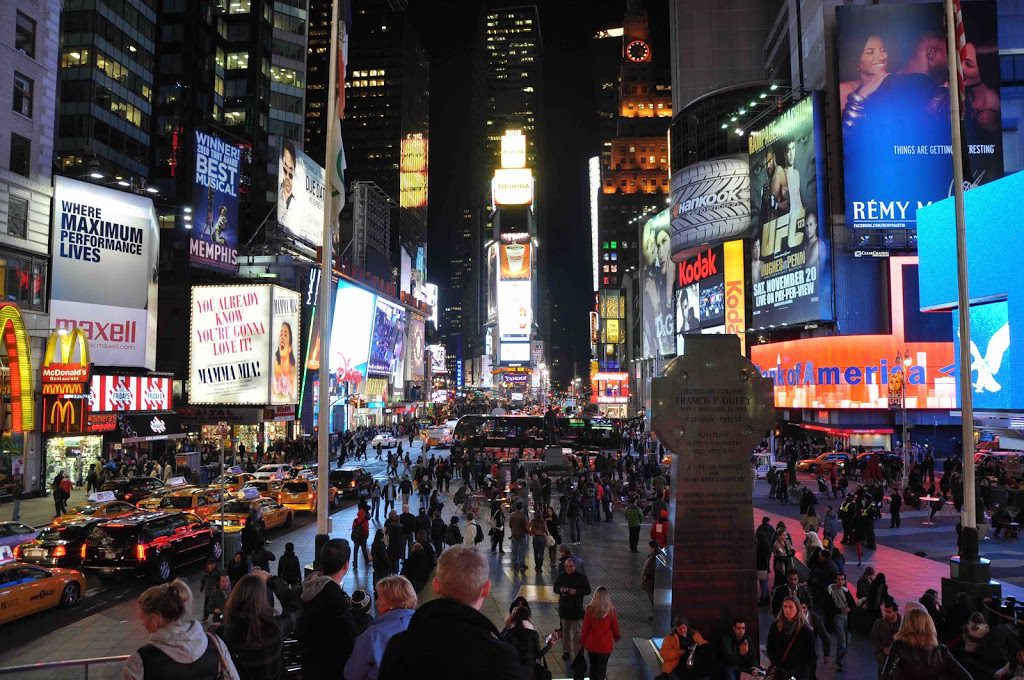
(12, 459)
(73, 456)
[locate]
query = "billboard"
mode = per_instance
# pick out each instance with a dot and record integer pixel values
(286, 334)
(300, 195)
(710, 203)
(354, 310)
(993, 361)
(515, 310)
(659, 276)
(609, 388)
(894, 97)
(213, 237)
(710, 292)
(514, 352)
(387, 337)
(515, 260)
(438, 359)
(110, 393)
(417, 348)
(412, 165)
(790, 272)
(106, 247)
(513, 149)
(512, 186)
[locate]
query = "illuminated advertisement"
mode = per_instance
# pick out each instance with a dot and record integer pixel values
(710, 203)
(65, 382)
(659, 278)
(513, 352)
(416, 350)
(412, 179)
(438, 359)
(354, 314)
(609, 388)
(513, 149)
(735, 292)
(790, 271)
(492, 282)
(515, 260)
(106, 247)
(854, 371)
(111, 393)
(894, 98)
(512, 186)
(515, 310)
(996, 292)
(709, 292)
(244, 345)
(213, 237)
(300, 195)
(387, 338)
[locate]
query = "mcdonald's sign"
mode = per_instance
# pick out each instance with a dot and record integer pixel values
(16, 347)
(65, 382)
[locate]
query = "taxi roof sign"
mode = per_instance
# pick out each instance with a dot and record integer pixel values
(6, 554)
(250, 493)
(102, 496)
(176, 481)
(236, 470)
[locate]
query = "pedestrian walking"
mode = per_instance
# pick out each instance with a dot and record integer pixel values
(660, 528)
(472, 531)
(288, 566)
(360, 535)
(448, 637)
(916, 652)
(883, 632)
(517, 526)
(647, 574)
(838, 606)
(571, 587)
(895, 503)
(599, 634)
(177, 642)
(538, 530)
(634, 517)
(790, 644)
(497, 527)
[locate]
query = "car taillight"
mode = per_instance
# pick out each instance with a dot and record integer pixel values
(82, 551)
(60, 551)
(128, 496)
(310, 496)
(140, 551)
(17, 552)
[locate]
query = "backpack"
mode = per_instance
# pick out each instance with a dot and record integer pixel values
(452, 535)
(479, 534)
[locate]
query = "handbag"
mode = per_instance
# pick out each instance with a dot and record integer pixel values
(541, 670)
(579, 663)
(773, 670)
(223, 666)
(549, 540)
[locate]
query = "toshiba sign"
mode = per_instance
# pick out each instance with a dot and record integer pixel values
(710, 203)
(512, 186)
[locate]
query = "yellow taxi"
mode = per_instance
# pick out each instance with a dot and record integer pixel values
(26, 589)
(300, 495)
(108, 510)
(233, 481)
(200, 502)
(267, 488)
(236, 512)
(152, 502)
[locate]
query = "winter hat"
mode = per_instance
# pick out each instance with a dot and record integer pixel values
(361, 601)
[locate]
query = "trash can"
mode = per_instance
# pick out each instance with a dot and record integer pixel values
(232, 544)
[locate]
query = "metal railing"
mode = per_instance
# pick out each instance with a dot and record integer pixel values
(83, 664)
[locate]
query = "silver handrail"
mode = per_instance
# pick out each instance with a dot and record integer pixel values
(69, 663)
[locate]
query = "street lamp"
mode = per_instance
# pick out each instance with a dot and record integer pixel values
(903, 362)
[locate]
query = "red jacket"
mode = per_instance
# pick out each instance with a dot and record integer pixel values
(600, 635)
(659, 532)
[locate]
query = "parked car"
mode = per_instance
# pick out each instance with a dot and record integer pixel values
(132, 489)
(350, 481)
(58, 545)
(14, 533)
(149, 545)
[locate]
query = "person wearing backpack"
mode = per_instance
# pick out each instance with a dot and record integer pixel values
(474, 534)
(452, 535)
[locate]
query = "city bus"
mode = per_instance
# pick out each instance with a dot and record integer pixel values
(500, 436)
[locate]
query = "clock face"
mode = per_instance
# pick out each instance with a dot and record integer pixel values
(638, 51)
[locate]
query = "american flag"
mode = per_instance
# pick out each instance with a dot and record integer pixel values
(961, 50)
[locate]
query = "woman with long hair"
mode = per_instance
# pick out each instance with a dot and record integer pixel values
(382, 564)
(177, 642)
(782, 554)
(600, 633)
(253, 631)
(915, 653)
(865, 65)
(791, 643)
(284, 383)
(520, 633)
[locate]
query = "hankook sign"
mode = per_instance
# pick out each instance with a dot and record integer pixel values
(710, 203)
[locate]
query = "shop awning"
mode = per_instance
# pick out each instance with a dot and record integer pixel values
(846, 430)
(147, 427)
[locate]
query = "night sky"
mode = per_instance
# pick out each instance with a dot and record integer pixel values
(446, 29)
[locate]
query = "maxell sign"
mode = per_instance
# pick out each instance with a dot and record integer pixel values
(104, 276)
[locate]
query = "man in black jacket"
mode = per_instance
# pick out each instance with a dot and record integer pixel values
(449, 637)
(571, 586)
(327, 630)
(738, 653)
(791, 588)
(408, 521)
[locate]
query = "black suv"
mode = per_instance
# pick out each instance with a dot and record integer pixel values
(350, 481)
(59, 545)
(151, 545)
(132, 489)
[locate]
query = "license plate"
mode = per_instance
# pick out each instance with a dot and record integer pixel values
(35, 552)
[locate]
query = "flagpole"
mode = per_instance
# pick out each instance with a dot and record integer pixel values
(323, 524)
(968, 518)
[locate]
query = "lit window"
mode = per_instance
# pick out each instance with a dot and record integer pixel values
(238, 60)
(75, 56)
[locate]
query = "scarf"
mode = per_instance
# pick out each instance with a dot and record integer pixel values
(790, 627)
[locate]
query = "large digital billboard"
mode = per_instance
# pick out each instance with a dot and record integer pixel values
(512, 186)
(993, 361)
(354, 311)
(659, 276)
(244, 345)
(515, 310)
(300, 195)
(213, 238)
(412, 165)
(387, 337)
(515, 260)
(710, 203)
(710, 292)
(416, 349)
(790, 272)
(106, 247)
(894, 97)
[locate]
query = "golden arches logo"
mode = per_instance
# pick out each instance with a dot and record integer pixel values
(16, 344)
(62, 416)
(64, 343)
